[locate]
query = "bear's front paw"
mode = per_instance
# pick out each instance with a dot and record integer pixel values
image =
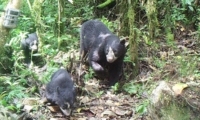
(97, 67)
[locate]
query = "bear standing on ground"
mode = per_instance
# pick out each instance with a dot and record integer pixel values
(30, 44)
(61, 91)
(104, 50)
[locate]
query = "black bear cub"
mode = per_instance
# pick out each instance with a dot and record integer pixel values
(30, 44)
(104, 50)
(61, 91)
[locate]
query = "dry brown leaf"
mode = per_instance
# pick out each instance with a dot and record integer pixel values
(58, 119)
(28, 108)
(86, 112)
(31, 101)
(178, 88)
(54, 108)
(120, 112)
(82, 118)
(92, 86)
(182, 29)
(109, 103)
(85, 99)
(108, 113)
(152, 67)
(117, 104)
(82, 109)
(163, 55)
(96, 109)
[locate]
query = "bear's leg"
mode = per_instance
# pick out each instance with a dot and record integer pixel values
(93, 61)
(115, 71)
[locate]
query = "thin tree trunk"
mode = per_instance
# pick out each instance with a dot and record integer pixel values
(133, 36)
(128, 28)
(4, 33)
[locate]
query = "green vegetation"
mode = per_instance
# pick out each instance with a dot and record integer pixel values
(180, 112)
(162, 44)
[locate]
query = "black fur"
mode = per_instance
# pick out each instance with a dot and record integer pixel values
(96, 39)
(27, 46)
(60, 90)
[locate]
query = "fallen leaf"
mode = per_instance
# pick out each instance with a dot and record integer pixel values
(85, 100)
(120, 112)
(54, 108)
(28, 108)
(108, 112)
(163, 55)
(86, 111)
(109, 103)
(80, 109)
(178, 88)
(57, 119)
(182, 29)
(30, 101)
(82, 118)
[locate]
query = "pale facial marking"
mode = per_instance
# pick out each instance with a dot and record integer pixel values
(103, 36)
(34, 46)
(67, 112)
(111, 56)
(67, 104)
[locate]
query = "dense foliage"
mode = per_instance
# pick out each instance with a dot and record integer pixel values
(160, 25)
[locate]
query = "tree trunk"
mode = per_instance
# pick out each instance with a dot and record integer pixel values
(5, 61)
(128, 28)
(133, 36)
(36, 10)
(151, 12)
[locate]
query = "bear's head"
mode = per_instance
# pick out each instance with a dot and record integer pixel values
(114, 49)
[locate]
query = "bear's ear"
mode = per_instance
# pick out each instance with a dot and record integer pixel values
(122, 42)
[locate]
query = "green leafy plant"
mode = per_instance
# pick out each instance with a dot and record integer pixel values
(12, 92)
(170, 38)
(115, 87)
(5, 114)
(99, 94)
(89, 75)
(127, 58)
(187, 68)
(142, 108)
(111, 25)
(131, 88)
(159, 63)
(47, 75)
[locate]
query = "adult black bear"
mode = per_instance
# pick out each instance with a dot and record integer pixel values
(104, 50)
(29, 45)
(61, 91)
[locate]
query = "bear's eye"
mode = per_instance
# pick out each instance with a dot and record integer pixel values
(115, 52)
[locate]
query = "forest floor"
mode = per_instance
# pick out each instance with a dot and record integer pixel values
(175, 61)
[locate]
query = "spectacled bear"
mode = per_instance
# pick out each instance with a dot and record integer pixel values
(61, 91)
(104, 50)
(29, 45)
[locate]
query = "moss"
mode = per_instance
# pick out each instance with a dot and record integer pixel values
(171, 107)
(133, 37)
(151, 12)
(175, 111)
(5, 54)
